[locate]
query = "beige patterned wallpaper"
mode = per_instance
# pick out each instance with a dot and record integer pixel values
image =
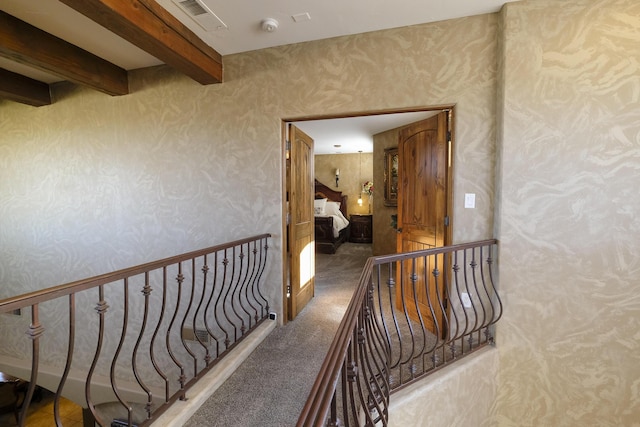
(92, 182)
(351, 177)
(95, 183)
(384, 235)
(569, 226)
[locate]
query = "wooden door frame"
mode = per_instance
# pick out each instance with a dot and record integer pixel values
(284, 134)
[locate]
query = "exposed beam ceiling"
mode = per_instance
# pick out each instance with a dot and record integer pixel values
(26, 44)
(150, 27)
(19, 88)
(132, 34)
(143, 23)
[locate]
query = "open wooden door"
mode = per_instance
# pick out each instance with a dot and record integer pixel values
(423, 199)
(301, 222)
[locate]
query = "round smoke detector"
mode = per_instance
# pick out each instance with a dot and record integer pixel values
(269, 25)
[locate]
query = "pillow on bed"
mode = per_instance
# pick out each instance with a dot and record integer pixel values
(319, 205)
(332, 208)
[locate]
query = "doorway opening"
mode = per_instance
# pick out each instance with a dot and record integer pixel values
(372, 133)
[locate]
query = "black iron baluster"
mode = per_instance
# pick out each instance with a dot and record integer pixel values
(114, 361)
(263, 263)
(34, 333)
(67, 366)
(182, 377)
(250, 285)
(205, 270)
(146, 291)
(242, 292)
(156, 366)
(448, 283)
(440, 331)
(207, 315)
(494, 291)
(186, 314)
(225, 263)
(101, 308)
(237, 291)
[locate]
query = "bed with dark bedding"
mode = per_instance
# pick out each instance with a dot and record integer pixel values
(332, 226)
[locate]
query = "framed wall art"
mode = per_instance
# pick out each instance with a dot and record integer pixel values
(391, 176)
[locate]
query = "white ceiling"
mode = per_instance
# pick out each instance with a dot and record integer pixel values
(355, 134)
(328, 18)
(242, 32)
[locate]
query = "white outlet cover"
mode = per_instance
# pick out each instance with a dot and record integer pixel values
(466, 301)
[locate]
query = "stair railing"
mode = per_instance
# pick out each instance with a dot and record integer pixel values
(139, 338)
(411, 314)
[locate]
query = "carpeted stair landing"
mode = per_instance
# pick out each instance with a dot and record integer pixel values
(271, 386)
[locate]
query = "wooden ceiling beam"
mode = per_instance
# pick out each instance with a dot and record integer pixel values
(24, 43)
(25, 90)
(149, 26)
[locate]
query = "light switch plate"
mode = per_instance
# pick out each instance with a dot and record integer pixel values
(469, 200)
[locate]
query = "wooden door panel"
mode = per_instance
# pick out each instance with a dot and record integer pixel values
(301, 234)
(422, 208)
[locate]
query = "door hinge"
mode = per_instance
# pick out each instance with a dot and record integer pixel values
(446, 221)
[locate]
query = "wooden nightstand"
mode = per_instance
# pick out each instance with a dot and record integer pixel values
(361, 229)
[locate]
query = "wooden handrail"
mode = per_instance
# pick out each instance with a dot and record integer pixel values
(327, 378)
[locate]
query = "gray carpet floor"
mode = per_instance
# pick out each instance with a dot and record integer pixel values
(270, 388)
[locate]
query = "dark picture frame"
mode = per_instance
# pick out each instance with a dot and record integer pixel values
(391, 176)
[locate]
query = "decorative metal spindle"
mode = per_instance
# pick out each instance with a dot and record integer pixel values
(487, 293)
(228, 302)
(67, 366)
(154, 362)
(378, 382)
(34, 333)
(359, 367)
(197, 316)
(251, 297)
(207, 312)
(146, 291)
(225, 263)
(474, 273)
(237, 292)
(470, 295)
(114, 361)
(463, 285)
(182, 377)
(396, 362)
(101, 308)
(458, 293)
(263, 263)
(413, 277)
(246, 306)
(186, 315)
(244, 295)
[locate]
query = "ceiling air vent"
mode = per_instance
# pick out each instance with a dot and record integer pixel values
(199, 12)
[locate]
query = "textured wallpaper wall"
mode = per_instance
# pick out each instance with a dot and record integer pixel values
(384, 236)
(569, 227)
(95, 183)
(350, 178)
